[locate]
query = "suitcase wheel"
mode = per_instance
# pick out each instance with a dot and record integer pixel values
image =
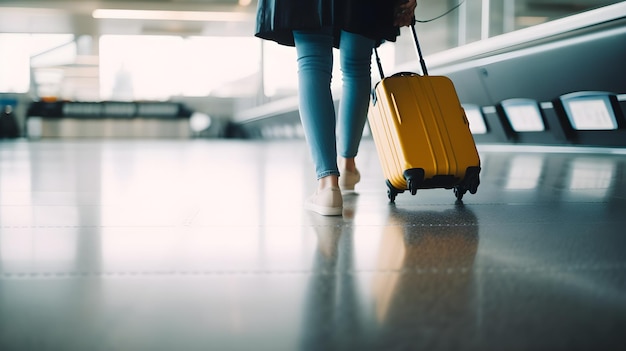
(473, 179)
(470, 183)
(414, 178)
(392, 192)
(391, 195)
(459, 192)
(411, 186)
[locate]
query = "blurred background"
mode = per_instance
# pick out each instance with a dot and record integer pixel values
(200, 62)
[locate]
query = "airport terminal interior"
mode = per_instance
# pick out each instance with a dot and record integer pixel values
(153, 174)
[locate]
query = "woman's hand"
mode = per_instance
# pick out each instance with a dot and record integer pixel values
(405, 12)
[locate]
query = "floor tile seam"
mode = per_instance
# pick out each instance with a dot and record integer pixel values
(399, 205)
(594, 267)
(477, 224)
(468, 206)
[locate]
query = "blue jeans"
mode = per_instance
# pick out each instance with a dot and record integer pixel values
(326, 133)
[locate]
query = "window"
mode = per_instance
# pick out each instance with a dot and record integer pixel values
(159, 67)
(17, 52)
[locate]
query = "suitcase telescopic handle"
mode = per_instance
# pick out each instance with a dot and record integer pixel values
(419, 53)
(419, 49)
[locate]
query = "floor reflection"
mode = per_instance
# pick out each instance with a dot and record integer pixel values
(333, 318)
(430, 288)
(422, 284)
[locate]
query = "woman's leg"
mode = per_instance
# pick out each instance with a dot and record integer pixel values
(317, 111)
(355, 56)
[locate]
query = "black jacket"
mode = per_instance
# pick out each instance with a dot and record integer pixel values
(276, 19)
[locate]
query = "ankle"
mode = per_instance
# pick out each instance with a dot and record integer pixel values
(331, 181)
(348, 164)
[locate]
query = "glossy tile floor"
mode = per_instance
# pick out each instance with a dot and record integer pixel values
(204, 245)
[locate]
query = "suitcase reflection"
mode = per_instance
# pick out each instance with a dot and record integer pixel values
(423, 285)
(430, 291)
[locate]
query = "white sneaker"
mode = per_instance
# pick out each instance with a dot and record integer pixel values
(348, 180)
(327, 202)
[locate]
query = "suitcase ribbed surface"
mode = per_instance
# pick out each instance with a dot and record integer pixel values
(418, 122)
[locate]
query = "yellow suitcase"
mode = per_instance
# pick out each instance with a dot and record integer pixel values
(421, 134)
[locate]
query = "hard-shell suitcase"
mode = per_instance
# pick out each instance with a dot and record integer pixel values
(421, 133)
